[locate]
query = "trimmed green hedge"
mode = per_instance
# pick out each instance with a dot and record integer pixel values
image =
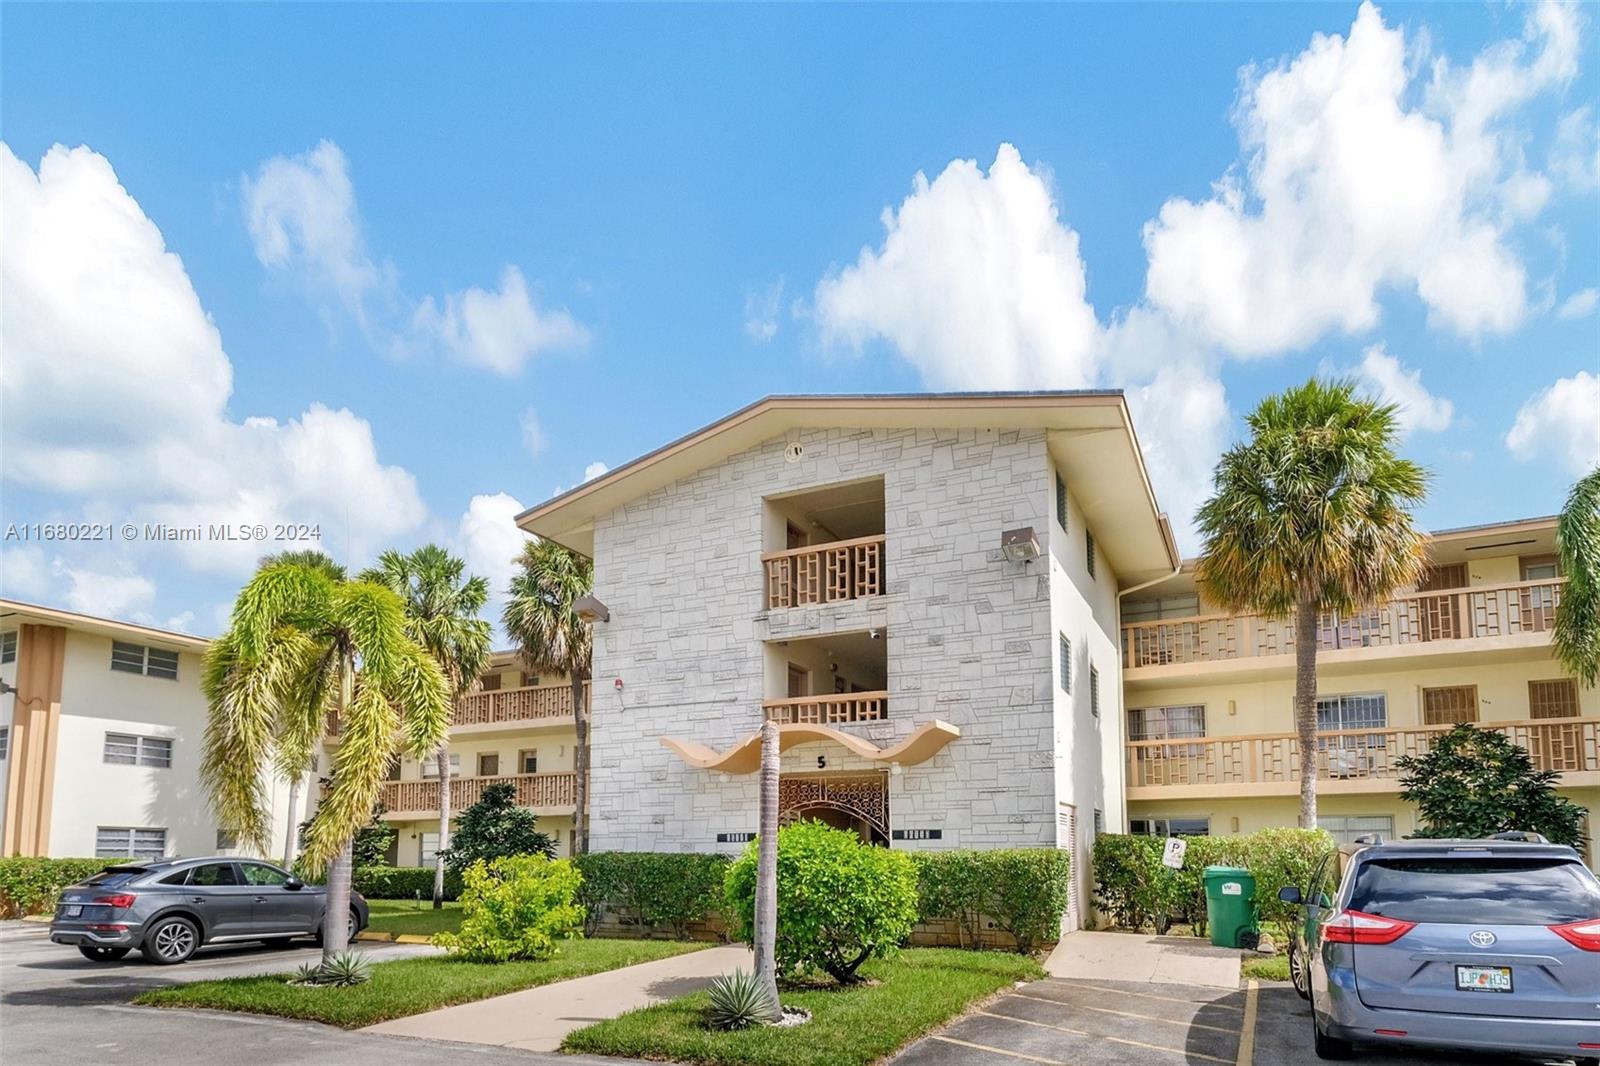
(32, 885)
(1024, 891)
(1133, 890)
(402, 882)
(652, 890)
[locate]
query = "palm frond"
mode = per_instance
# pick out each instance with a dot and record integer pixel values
(539, 613)
(1577, 630)
(367, 735)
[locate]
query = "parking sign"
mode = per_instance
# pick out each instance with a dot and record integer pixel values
(1172, 854)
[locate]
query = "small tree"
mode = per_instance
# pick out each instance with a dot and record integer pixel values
(516, 907)
(1475, 782)
(495, 827)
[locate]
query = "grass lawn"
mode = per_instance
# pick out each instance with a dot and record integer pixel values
(1268, 968)
(409, 986)
(410, 916)
(914, 992)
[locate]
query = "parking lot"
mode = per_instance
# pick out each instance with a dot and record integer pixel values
(1058, 1022)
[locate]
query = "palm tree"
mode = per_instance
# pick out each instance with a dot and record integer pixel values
(1577, 632)
(442, 615)
(766, 923)
(539, 616)
(303, 646)
(1312, 514)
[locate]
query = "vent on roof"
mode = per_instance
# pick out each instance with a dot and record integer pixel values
(794, 452)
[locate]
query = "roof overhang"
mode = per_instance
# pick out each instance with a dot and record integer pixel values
(12, 611)
(1090, 437)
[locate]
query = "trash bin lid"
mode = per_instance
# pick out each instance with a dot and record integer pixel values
(1227, 873)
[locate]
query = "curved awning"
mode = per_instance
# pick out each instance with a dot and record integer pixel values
(745, 756)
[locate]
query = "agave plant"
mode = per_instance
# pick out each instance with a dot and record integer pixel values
(345, 969)
(739, 1001)
(308, 974)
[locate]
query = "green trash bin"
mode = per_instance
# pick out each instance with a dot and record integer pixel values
(1230, 906)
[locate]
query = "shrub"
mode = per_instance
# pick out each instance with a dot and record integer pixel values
(32, 885)
(495, 827)
(1474, 783)
(403, 882)
(1025, 891)
(738, 1001)
(653, 890)
(950, 885)
(345, 970)
(840, 901)
(516, 907)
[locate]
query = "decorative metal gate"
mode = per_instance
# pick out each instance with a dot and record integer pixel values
(864, 796)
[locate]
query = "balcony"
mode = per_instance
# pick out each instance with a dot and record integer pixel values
(825, 573)
(1348, 760)
(1423, 621)
(840, 709)
(554, 793)
(487, 712)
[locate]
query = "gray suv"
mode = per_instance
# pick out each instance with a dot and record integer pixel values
(1482, 945)
(169, 909)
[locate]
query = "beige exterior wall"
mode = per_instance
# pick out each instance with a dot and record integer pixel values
(554, 747)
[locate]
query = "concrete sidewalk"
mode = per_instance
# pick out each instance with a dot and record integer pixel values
(1136, 957)
(537, 1019)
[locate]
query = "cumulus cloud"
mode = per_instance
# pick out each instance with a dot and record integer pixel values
(498, 330)
(24, 573)
(977, 283)
(1561, 422)
(761, 305)
(1383, 377)
(488, 539)
(105, 593)
(532, 432)
(1348, 187)
(1182, 418)
(1580, 304)
(116, 386)
(594, 470)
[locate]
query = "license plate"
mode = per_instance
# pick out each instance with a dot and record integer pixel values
(72, 910)
(1483, 978)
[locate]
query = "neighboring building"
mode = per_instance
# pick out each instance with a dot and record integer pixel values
(100, 742)
(514, 727)
(1210, 696)
(856, 567)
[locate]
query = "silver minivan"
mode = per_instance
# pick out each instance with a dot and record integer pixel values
(1483, 945)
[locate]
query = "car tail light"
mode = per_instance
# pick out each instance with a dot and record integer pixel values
(1584, 934)
(1354, 927)
(120, 899)
(1390, 1032)
(108, 927)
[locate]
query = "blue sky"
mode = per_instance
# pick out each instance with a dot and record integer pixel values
(418, 231)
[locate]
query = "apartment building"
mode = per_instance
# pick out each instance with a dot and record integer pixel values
(921, 590)
(1209, 695)
(514, 727)
(101, 728)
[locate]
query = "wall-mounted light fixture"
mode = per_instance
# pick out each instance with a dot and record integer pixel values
(590, 609)
(1020, 545)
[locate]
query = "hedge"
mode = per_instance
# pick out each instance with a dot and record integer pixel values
(1133, 890)
(653, 891)
(402, 882)
(1024, 891)
(32, 885)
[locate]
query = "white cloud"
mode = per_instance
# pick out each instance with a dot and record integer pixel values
(1347, 189)
(978, 283)
(25, 573)
(106, 594)
(533, 438)
(489, 540)
(594, 470)
(499, 330)
(1580, 304)
(761, 310)
(1561, 421)
(116, 386)
(1576, 154)
(1181, 416)
(1387, 380)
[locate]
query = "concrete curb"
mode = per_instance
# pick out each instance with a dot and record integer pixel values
(41, 919)
(393, 938)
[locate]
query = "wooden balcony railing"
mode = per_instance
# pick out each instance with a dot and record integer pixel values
(828, 710)
(517, 704)
(1561, 744)
(825, 573)
(1416, 618)
(533, 790)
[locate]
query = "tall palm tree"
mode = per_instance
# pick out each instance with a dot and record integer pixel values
(1312, 514)
(442, 606)
(1577, 632)
(539, 616)
(766, 924)
(303, 646)
(295, 764)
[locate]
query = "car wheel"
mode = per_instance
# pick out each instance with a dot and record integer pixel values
(98, 953)
(1326, 1047)
(352, 926)
(171, 941)
(1297, 971)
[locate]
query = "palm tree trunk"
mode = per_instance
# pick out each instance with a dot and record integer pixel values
(766, 930)
(580, 766)
(1305, 705)
(335, 915)
(444, 825)
(293, 832)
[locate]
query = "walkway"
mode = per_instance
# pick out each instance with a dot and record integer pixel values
(537, 1019)
(1136, 957)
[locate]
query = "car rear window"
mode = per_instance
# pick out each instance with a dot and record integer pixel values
(116, 877)
(1478, 889)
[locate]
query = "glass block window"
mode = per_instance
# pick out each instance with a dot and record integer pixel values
(1066, 664)
(138, 659)
(125, 749)
(1447, 706)
(1553, 699)
(8, 646)
(119, 842)
(1061, 503)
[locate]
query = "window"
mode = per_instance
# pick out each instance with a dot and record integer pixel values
(1066, 664)
(1487, 890)
(1061, 503)
(488, 763)
(5, 741)
(530, 680)
(1094, 690)
(430, 766)
(1539, 567)
(8, 646)
(1185, 606)
(1088, 543)
(1445, 576)
(138, 659)
(1352, 712)
(1170, 827)
(125, 749)
(1183, 722)
(528, 761)
(1553, 699)
(117, 842)
(1345, 828)
(430, 848)
(226, 840)
(1099, 821)
(489, 683)
(258, 873)
(214, 874)
(1447, 706)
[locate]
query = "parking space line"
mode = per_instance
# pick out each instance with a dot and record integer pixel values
(998, 1050)
(1143, 995)
(1247, 1036)
(1113, 1039)
(1130, 1014)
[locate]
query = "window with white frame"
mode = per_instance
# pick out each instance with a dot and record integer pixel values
(5, 741)
(1362, 711)
(125, 749)
(1182, 722)
(430, 848)
(139, 659)
(1345, 828)
(8, 646)
(1171, 827)
(117, 842)
(430, 765)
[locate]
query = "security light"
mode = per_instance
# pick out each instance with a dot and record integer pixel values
(1020, 545)
(591, 609)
